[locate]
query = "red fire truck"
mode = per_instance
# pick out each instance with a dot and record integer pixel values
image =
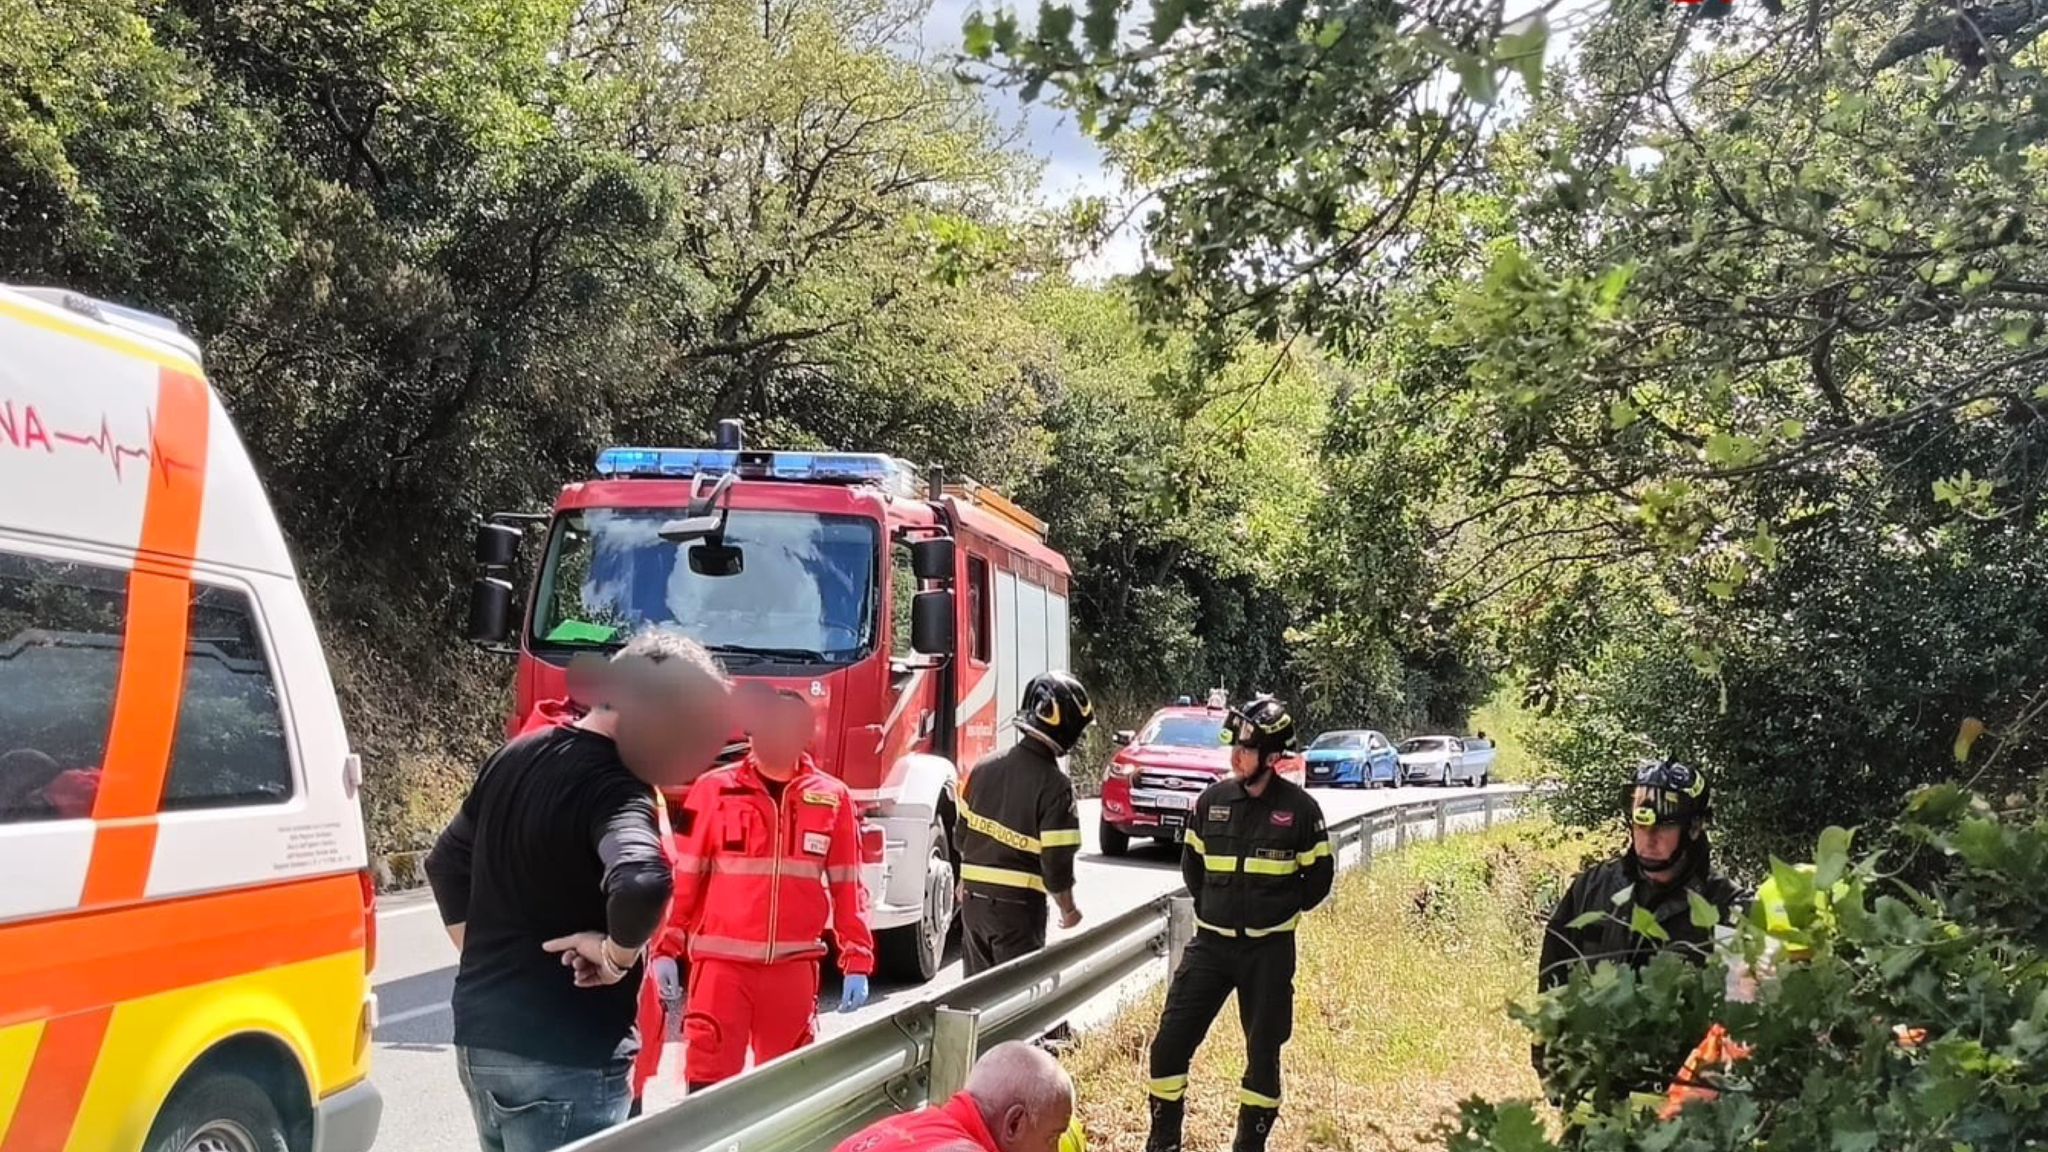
(909, 612)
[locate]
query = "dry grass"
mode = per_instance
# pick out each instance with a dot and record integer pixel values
(1398, 1007)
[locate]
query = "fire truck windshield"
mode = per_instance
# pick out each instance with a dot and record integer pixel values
(806, 593)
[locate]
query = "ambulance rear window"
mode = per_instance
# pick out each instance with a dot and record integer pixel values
(230, 748)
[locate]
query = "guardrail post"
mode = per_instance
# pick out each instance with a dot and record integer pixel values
(1400, 828)
(1180, 929)
(1443, 819)
(1489, 810)
(955, 1034)
(1368, 830)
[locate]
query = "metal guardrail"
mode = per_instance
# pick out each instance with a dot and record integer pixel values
(813, 1098)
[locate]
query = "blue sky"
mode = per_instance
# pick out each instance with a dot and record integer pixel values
(1073, 165)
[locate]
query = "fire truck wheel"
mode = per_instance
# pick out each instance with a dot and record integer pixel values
(915, 952)
(1114, 840)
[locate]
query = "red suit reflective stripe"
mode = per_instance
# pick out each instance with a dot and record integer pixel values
(761, 879)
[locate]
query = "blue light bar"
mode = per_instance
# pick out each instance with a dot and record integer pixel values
(885, 472)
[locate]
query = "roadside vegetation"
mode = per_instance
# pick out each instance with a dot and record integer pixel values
(1400, 1005)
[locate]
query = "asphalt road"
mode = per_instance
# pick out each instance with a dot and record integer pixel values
(414, 1064)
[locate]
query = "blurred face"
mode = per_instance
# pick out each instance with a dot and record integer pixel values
(1020, 1131)
(671, 725)
(780, 732)
(585, 675)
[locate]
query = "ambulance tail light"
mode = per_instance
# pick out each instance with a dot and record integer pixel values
(369, 883)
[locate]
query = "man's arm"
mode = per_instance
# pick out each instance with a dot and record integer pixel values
(1318, 862)
(448, 864)
(1192, 865)
(1059, 840)
(636, 882)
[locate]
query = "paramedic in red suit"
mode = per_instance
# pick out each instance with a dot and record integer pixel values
(768, 859)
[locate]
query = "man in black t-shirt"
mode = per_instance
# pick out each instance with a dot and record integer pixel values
(552, 878)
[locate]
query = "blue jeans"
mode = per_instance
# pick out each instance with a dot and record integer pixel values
(527, 1105)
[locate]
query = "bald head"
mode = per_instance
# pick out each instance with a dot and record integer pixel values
(1025, 1097)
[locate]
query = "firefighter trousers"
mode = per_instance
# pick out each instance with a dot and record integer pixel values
(1261, 971)
(734, 1006)
(996, 928)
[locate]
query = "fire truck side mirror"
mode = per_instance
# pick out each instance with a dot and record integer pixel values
(497, 545)
(931, 623)
(933, 559)
(490, 611)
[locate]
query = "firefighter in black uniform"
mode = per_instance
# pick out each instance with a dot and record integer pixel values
(1257, 857)
(1019, 830)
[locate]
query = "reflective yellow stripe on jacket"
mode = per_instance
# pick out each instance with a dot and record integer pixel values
(1004, 877)
(1005, 835)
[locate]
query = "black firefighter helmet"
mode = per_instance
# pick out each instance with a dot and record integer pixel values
(1261, 724)
(1667, 792)
(1056, 709)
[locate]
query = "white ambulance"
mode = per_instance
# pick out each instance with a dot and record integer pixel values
(186, 915)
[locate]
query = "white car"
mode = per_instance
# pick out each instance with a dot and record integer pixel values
(1446, 760)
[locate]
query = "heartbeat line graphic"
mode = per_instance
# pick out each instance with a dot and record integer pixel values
(30, 432)
(114, 450)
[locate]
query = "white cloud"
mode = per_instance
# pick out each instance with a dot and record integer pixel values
(1074, 167)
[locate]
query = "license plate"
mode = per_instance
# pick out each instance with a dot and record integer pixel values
(1170, 801)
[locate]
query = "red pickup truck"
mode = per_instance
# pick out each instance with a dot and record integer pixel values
(1160, 769)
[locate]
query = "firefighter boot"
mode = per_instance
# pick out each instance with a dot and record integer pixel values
(1253, 1126)
(1166, 1124)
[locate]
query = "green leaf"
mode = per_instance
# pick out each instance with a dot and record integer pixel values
(1621, 414)
(1331, 33)
(1704, 915)
(1966, 737)
(1832, 860)
(1795, 887)
(1586, 920)
(1516, 1129)
(1523, 51)
(1475, 79)
(1646, 924)
(1791, 429)
(979, 36)
(1721, 589)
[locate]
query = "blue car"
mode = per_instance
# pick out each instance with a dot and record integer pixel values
(1352, 758)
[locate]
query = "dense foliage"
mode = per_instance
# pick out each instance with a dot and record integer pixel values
(1711, 355)
(1919, 1021)
(440, 252)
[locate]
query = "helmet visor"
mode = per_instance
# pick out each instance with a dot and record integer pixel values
(1651, 807)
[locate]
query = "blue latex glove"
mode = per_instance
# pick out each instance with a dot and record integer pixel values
(853, 993)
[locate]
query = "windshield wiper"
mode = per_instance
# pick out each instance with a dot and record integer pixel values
(790, 655)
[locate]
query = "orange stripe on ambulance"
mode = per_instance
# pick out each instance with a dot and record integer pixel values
(186, 950)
